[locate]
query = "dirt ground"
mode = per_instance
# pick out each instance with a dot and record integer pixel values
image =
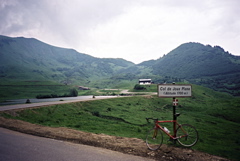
(132, 146)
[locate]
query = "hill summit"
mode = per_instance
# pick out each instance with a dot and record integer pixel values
(27, 59)
(191, 60)
(200, 64)
(30, 59)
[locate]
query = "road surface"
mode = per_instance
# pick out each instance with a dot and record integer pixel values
(15, 146)
(52, 102)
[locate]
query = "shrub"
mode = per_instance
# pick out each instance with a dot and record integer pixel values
(73, 92)
(139, 87)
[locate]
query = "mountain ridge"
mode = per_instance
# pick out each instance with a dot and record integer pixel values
(201, 59)
(30, 59)
(58, 61)
(200, 64)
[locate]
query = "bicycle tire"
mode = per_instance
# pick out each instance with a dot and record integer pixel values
(154, 143)
(192, 135)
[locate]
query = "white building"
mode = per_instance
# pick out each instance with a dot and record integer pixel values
(145, 81)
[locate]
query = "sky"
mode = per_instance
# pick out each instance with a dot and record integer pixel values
(135, 30)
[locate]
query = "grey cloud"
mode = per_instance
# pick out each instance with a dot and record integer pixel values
(74, 22)
(65, 20)
(58, 15)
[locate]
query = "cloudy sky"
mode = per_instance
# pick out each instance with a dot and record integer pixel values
(135, 30)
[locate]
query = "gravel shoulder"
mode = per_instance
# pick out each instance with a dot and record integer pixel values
(132, 146)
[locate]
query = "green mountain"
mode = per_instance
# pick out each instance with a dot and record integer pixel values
(28, 59)
(193, 60)
(199, 64)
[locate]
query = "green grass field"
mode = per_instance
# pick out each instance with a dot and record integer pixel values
(215, 115)
(30, 89)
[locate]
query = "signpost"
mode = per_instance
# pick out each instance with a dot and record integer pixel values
(174, 90)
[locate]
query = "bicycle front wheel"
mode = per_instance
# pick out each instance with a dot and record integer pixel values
(187, 135)
(154, 139)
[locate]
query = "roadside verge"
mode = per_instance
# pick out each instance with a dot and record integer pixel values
(132, 146)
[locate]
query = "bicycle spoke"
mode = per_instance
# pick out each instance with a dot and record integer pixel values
(154, 139)
(187, 135)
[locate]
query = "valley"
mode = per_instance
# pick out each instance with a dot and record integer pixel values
(31, 68)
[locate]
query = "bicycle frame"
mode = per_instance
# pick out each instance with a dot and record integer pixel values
(184, 134)
(171, 136)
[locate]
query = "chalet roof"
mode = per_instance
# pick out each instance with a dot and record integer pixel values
(145, 79)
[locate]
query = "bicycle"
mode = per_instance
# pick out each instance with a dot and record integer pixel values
(185, 134)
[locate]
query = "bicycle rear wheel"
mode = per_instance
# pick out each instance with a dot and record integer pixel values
(154, 139)
(188, 135)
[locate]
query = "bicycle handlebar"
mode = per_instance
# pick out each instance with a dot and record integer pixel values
(151, 119)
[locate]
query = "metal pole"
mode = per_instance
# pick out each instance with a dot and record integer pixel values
(174, 118)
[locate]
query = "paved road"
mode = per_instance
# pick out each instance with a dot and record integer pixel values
(54, 101)
(35, 100)
(15, 146)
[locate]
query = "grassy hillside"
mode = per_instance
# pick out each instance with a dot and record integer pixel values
(30, 89)
(214, 114)
(199, 64)
(24, 59)
(191, 60)
(28, 59)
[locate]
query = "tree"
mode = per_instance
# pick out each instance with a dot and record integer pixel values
(73, 92)
(139, 87)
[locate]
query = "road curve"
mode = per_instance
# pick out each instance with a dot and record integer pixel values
(15, 146)
(28, 105)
